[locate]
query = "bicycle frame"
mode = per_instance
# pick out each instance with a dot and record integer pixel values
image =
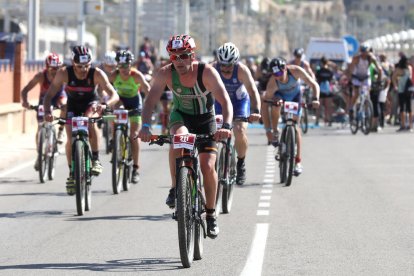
(362, 117)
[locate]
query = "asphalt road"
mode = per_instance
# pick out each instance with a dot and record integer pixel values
(349, 213)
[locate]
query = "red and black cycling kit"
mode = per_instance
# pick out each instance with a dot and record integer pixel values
(81, 93)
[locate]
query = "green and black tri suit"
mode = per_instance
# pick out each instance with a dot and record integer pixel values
(193, 107)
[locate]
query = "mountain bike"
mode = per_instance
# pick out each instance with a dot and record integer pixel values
(121, 151)
(190, 201)
(363, 111)
(226, 171)
(286, 151)
(82, 162)
(47, 146)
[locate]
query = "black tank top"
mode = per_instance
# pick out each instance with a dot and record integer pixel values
(80, 90)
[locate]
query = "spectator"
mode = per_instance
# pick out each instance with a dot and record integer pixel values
(148, 48)
(324, 77)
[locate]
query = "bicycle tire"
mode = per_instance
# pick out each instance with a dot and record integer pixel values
(80, 176)
(354, 123)
(290, 150)
(304, 124)
(52, 155)
(88, 182)
(220, 166)
(126, 180)
(227, 196)
(367, 123)
(117, 161)
(107, 134)
(199, 225)
(282, 157)
(185, 216)
(42, 155)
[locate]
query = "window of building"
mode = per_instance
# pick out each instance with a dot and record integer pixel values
(379, 8)
(390, 8)
(402, 8)
(366, 7)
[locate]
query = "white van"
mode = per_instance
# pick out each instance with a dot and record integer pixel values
(334, 49)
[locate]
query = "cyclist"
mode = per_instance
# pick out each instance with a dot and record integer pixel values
(358, 73)
(263, 75)
(108, 66)
(285, 85)
(44, 78)
(80, 79)
(128, 82)
(241, 88)
(298, 59)
(194, 85)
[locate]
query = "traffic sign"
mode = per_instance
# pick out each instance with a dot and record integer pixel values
(352, 44)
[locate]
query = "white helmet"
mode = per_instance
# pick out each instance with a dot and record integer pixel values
(228, 53)
(109, 58)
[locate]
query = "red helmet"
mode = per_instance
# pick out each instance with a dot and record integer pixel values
(179, 43)
(53, 60)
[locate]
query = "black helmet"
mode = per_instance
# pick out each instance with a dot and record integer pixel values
(277, 65)
(81, 54)
(124, 57)
(364, 48)
(264, 65)
(298, 52)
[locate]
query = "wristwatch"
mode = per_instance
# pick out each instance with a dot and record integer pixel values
(226, 126)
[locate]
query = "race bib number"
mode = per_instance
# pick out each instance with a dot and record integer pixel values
(121, 116)
(184, 141)
(80, 123)
(291, 107)
(41, 111)
(219, 121)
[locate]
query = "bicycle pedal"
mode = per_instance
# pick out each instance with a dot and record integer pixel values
(174, 216)
(277, 157)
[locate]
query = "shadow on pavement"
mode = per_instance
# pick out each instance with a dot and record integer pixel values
(123, 265)
(148, 218)
(14, 180)
(25, 214)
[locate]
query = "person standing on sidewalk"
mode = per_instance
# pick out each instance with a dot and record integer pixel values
(44, 79)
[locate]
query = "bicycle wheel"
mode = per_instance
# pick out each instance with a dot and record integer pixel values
(80, 176)
(221, 154)
(200, 224)
(107, 136)
(52, 154)
(290, 153)
(88, 182)
(42, 155)
(304, 120)
(282, 157)
(185, 216)
(354, 122)
(231, 180)
(117, 161)
(126, 180)
(367, 120)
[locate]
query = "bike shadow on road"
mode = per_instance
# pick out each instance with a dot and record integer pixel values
(15, 180)
(122, 265)
(31, 214)
(146, 218)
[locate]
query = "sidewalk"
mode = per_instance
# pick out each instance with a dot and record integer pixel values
(16, 149)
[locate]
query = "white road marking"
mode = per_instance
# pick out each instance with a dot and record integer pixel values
(266, 191)
(267, 186)
(255, 259)
(264, 204)
(262, 213)
(265, 197)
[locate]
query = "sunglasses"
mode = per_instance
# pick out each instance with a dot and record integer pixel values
(278, 74)
(124, 66)
(82, 66)
(180, 57)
